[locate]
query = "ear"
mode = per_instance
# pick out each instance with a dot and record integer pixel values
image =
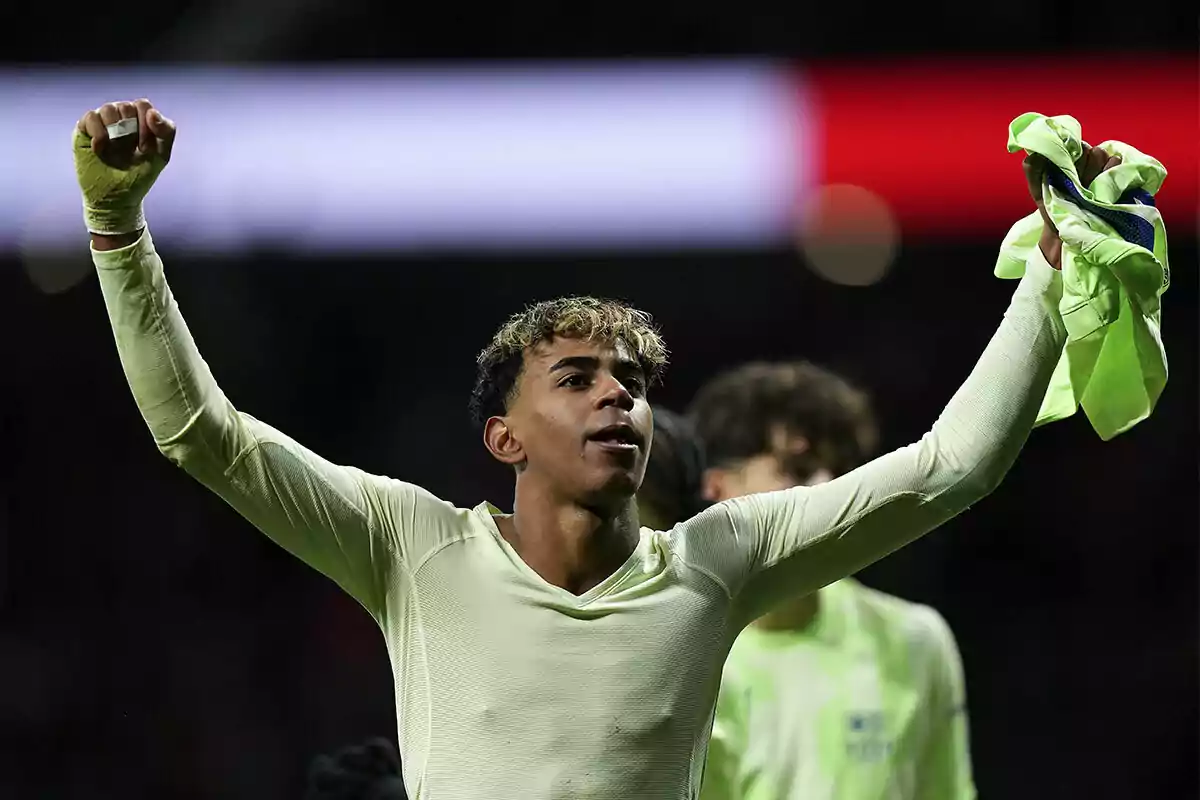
(714, 485)
(500, 442)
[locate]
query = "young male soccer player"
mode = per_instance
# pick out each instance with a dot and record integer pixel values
(561, 651)
(846, 693)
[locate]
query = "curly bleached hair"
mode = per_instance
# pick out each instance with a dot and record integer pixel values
(500, 363)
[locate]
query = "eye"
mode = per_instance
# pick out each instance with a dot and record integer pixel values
(574, 380)
(635, 386)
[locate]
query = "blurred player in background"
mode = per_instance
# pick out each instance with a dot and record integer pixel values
(846, 693)
(366, 771)
(671, 492)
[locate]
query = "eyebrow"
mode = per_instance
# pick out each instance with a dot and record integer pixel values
(624, 365)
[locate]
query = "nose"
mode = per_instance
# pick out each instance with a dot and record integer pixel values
(613, 393)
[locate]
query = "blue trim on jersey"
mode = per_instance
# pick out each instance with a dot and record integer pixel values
(1134, 195)
(1131, 227)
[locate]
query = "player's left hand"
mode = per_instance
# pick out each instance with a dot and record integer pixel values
(1093, 161)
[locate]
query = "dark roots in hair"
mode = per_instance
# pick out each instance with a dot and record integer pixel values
(499, 365)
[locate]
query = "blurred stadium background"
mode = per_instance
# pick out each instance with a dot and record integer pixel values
(360, 193)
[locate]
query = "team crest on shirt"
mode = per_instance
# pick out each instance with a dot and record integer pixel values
(867, 739)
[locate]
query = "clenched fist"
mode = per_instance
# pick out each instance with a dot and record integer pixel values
(1090, 164)
(120, 149)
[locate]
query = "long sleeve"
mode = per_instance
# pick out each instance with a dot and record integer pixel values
(339, 520)
(770, 547)
(944, 771)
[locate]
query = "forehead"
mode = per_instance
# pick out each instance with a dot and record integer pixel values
(547, 353)
(785, 442)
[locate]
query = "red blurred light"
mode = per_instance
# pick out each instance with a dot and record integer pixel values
(929, 136)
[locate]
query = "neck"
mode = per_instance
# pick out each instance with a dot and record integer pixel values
(567, 544)
(794, 615)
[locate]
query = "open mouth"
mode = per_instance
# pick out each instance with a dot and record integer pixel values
(617, 437)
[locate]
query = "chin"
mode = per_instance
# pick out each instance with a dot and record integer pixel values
(616, 489)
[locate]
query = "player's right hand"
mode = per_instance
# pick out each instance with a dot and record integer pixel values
(1091, 163)
(116, 174)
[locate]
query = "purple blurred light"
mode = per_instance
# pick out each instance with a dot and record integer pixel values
(329, 160)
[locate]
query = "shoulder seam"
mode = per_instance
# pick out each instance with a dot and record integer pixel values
(712, 576)
(425, 559)
(259, 444)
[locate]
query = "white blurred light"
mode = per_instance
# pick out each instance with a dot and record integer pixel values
(848, 235)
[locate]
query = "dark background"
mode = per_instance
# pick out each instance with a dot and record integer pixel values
(152, 644)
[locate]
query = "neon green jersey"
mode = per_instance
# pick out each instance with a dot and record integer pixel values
(865, 703)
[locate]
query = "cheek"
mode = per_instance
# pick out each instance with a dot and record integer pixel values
(555, 432)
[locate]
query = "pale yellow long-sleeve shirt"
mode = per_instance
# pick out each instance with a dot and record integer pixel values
(508, 688)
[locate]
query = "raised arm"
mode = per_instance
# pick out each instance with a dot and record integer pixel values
(339, 520)
(797, 540)
(792, 542)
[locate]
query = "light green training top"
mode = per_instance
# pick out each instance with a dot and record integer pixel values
(865, 703)
(507, 687)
